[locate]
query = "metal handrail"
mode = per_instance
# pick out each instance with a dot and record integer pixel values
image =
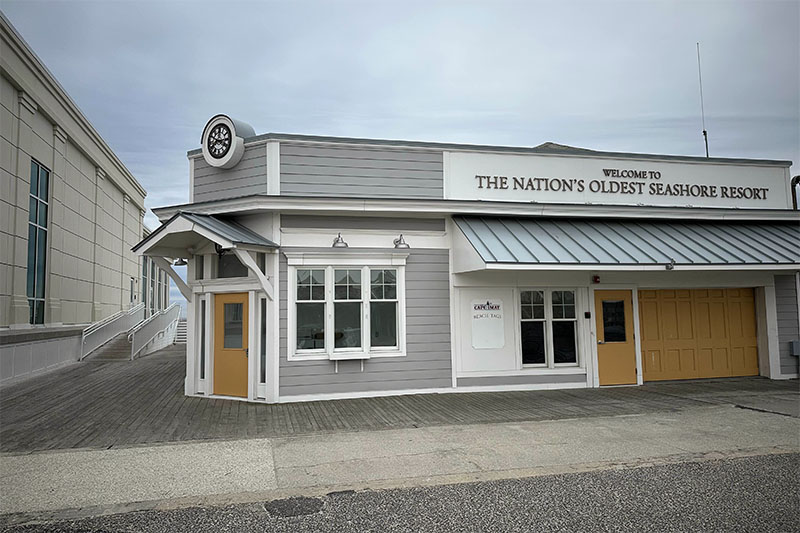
(106, 323)
(172, 309)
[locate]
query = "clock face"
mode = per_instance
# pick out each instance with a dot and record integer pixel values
(219, 141)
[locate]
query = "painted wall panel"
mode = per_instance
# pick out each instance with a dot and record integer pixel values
(427, 360)
(246, 178)
(362, 172)
(533, 379)
(788, 325)
(375, 223)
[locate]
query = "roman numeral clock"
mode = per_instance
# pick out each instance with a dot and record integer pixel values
(223, 141)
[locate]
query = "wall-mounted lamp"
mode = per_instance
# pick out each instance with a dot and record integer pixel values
(338, 242)
(180, 262)
(219, 249)
(400, 243)
(671, 264)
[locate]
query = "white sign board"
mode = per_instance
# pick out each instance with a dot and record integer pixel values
(487, 324)
(592, 180)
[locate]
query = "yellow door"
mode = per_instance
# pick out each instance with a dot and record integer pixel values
(230, 344)
(616, 345)
(698, 333)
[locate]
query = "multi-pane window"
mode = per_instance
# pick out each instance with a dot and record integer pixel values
(346, 309)
(37, 240)
(383, 307)
(548, 327)
(310, 309)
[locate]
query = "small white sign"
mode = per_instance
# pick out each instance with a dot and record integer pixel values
(487, 324)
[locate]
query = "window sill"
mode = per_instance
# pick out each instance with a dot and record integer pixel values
(345, 356)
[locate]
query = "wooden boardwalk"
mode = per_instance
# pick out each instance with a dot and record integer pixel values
(100, 404)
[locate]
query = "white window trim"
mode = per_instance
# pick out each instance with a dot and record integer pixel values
(549, 354)
(345, 259)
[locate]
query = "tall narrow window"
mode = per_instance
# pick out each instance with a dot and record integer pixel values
(202, 339)
(310, 309)
(144, 280)
(383, 308)
(263, 351)
(347, 308)
(564, 346)
(533, 325)
(37, 241)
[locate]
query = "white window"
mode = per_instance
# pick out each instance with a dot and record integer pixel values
(346, 312)
(548, 328)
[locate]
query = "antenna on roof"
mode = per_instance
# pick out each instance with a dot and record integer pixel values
(702, 108)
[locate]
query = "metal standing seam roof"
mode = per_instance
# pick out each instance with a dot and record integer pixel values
(630, 242)
(228, 230)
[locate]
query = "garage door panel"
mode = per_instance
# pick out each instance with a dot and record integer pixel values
(652, 361)
(698, 333)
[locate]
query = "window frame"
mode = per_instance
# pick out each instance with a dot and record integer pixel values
(33, 300)
(549, 354)
(330, 263)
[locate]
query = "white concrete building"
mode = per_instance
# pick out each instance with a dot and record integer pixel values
(324, 267)
(69, 214)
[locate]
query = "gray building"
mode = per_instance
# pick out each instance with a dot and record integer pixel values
(70, 212)
(324, 267)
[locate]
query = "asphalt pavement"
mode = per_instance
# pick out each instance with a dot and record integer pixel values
(757, 493)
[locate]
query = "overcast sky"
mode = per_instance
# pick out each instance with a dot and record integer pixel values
(618, 76)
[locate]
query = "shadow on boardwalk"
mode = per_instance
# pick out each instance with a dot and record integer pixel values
(100, 404)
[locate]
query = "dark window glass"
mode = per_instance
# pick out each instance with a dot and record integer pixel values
(229, 266)
(347, 324)
(33, 215)
(44, 180)
(564, 342)
(199, 266)
(233, 326)
(41, 251)
(347, 284)
(263, 354)
(310, 284)
(34, 179)
(262, 262)
(31, 258)
(310, 326)
(383, 323)
(614, 321)
(532, 305)
(533, 343)
(563, 304)
(202, 339)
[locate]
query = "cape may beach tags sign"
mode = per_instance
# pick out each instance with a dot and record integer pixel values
(487, 324)
(587, 180)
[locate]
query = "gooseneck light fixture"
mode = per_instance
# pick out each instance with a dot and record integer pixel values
(180, 262)
(671, 264)
(338, 242)
(400, 242)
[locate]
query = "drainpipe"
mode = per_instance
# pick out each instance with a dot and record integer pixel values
(793, 185)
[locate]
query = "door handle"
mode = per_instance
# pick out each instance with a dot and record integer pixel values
(247, 352)
(600, 342)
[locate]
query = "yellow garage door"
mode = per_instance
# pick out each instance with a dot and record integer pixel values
(699, 333)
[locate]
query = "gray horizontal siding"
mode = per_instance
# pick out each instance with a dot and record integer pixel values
(427, 363)
(788, 326)
(248, 177)
(377, 223)
(361, 172)
(537, 379)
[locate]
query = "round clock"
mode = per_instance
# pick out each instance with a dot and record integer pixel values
(219, 141)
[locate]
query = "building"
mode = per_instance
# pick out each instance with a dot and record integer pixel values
(325, 267)
(69, 214)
